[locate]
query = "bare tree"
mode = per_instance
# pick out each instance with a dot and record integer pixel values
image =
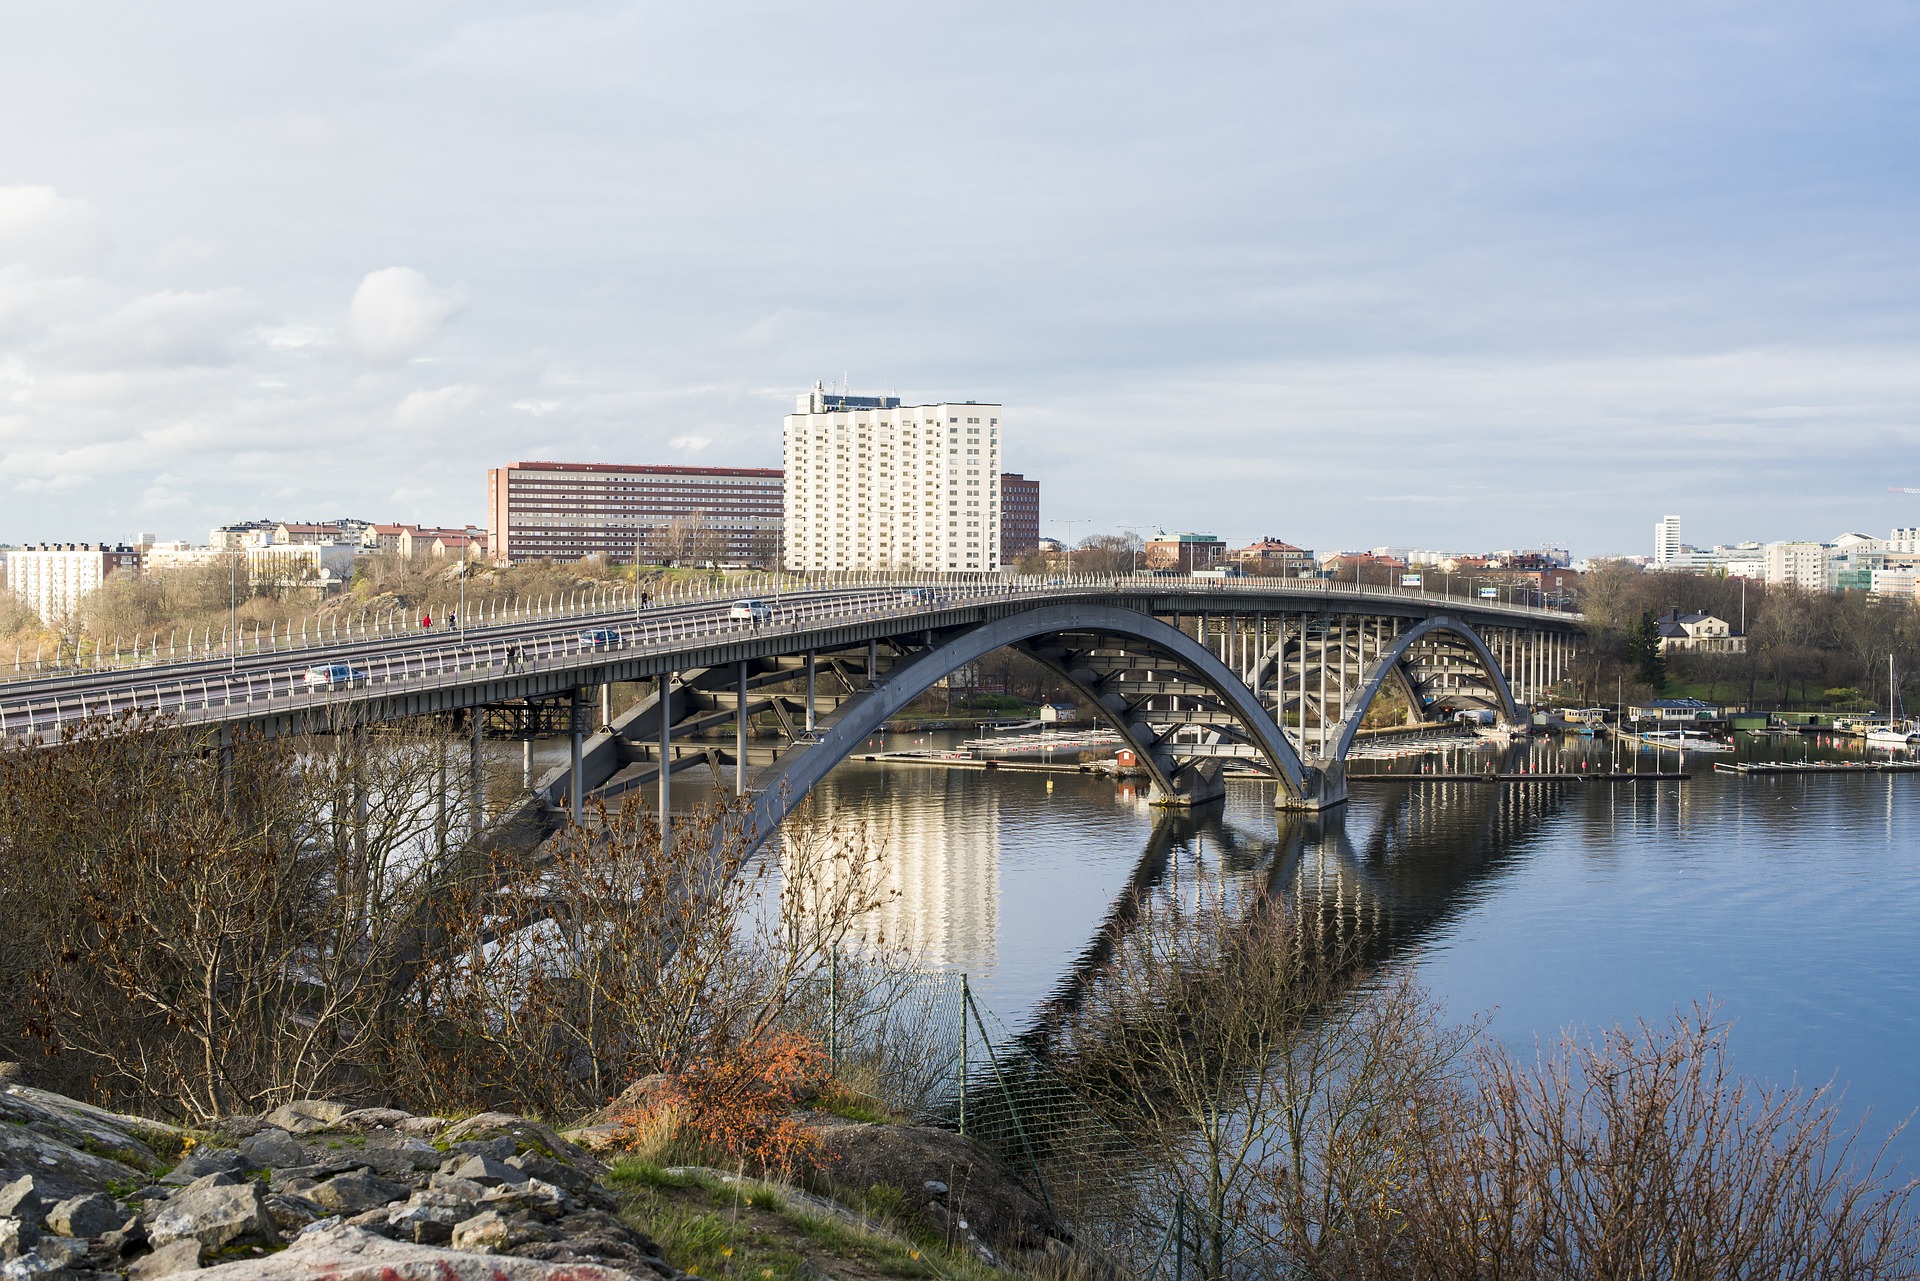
(214, 924)
(1274, 1084)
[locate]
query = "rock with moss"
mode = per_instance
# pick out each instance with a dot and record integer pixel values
(944, 1180)
(347, 1254)
(216, 1211)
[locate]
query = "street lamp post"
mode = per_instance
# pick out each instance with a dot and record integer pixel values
(233, 612)
(1070, 524)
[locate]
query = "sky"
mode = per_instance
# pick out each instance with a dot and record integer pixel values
(1464, 276)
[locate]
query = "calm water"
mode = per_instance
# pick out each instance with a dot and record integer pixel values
(1791, 901)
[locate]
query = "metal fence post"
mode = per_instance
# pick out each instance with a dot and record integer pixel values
(1179, 1236)
(965, 1000)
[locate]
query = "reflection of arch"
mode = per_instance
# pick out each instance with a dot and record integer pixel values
(794, 775)
(1389, 665)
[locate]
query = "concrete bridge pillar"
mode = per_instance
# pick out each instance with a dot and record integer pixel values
(1324, 788)
(476, 776)
(665, 705)
(577, 733)
(1195, 785)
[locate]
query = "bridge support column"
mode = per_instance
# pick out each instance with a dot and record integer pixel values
(740, 730)
(476, 779)
(810, 671)
(665, 705)
(1325, 787)
(1193, 787)
(440, 800)
(577, 731)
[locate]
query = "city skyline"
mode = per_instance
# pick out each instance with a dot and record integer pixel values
(1490, 278)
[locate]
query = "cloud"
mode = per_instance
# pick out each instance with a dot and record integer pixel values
(427, 408)
(396, 311)
(166, 492)
(538, 408)
(39, 225)
(169, 328)
(292, 337)
(691, 444)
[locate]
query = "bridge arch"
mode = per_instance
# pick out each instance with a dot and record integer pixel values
(1391, 666)
(790, 779)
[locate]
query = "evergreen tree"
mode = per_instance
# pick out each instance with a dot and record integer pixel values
(1643, 647)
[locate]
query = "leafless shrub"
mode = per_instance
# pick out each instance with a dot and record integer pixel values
(610, 960)
(213, 926)
(216, 927)
(1641, 1153)
(1316, 1118)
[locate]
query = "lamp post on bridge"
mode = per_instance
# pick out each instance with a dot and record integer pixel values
(233, 611)
(1070, 524)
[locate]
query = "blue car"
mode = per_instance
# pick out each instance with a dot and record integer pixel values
(599, 638)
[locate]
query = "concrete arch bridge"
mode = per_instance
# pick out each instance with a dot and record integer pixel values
(1191, 680)
(1192, 673)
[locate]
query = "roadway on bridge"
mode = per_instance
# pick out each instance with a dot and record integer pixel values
(215, 687)
(194, 685)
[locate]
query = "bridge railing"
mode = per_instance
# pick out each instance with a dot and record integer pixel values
(217, 696)
(489, 616)
(206, 695)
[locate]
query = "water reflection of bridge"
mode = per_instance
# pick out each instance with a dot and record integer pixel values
(1428, 852)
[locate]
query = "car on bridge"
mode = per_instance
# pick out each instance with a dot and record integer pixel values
(336, 676)
(599, 638)
(751, 611)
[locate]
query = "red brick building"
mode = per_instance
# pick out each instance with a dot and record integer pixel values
(1273, 558)
(1019, 516)
(563, 511)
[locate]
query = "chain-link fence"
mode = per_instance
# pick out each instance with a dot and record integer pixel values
(918, 1044)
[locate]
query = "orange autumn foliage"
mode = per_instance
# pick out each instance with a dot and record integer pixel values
(741, 1101)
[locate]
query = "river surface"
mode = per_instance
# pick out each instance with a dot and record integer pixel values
(1790, 901)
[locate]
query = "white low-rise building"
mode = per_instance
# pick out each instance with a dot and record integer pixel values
(1896, 580)
(163, 558)
(1803, 565)
(321, 566)
(318, 566)
(1703, 633)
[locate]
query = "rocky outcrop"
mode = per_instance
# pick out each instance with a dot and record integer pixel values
(954, 1187)
(314, 1189)
(350, 1254)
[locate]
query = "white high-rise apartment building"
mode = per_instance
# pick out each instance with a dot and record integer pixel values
(52, 578)
(874, 484)
(1802, 565)
(1666, 541)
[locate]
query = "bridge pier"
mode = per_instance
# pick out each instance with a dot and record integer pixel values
(1193, 786)
(476, 779)
(665, 704)
(740, 730)
(577, 732)
(1323, 788)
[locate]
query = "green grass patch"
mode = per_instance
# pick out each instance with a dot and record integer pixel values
(716, 1229)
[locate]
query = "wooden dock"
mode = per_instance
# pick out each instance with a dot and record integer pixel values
(1817, 767)
(1584, 776)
